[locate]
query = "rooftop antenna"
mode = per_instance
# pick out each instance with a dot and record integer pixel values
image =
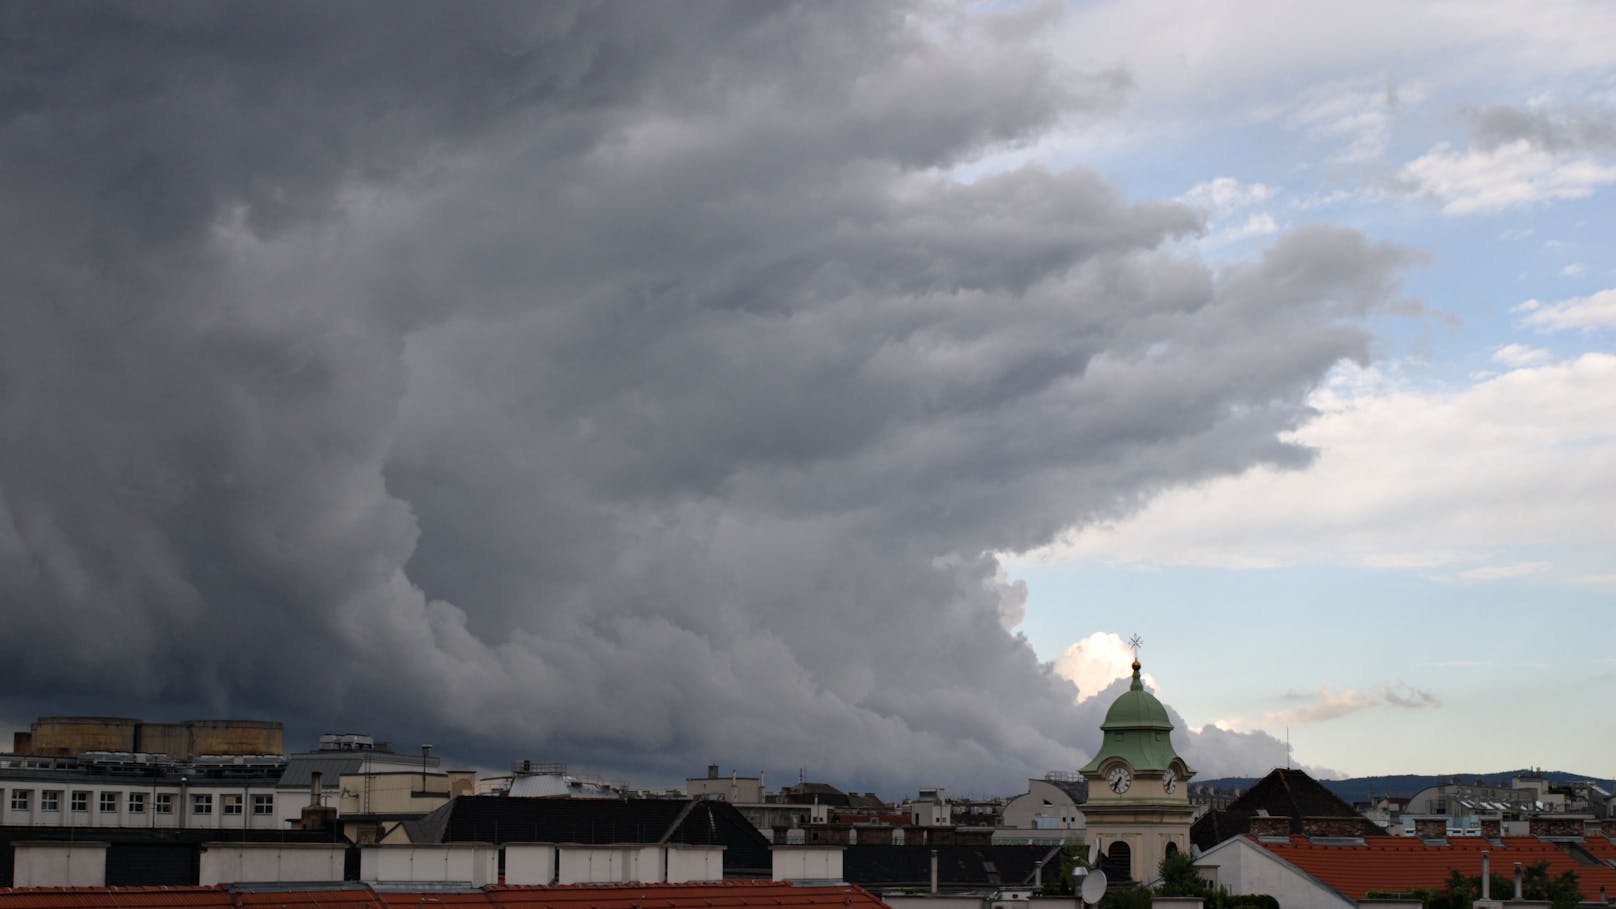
(1287, 747)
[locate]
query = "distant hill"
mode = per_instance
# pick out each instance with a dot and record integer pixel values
(1361, 789)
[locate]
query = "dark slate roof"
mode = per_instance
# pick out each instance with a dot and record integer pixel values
(958, 867)
(300, 768)
(502, 819)
(1282, 793)
(816, 793)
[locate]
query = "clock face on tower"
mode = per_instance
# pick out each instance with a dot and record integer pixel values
(1119, 779)
(1169, 780)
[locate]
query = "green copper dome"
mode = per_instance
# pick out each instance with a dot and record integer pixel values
(1137, 709)
(1138, 731)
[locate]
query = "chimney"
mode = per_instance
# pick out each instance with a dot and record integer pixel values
(712, 771)
(934, 872)
(1517, 881)
(1038, 875)
(315, 779)
(1486, 876)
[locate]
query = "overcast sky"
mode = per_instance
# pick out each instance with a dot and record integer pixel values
(827, 387)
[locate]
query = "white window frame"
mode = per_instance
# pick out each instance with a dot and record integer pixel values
(78, 801)
(230, 804)
(137, 803)
(263, 805)
(201, 803)
(107, 802)
(50, 800)
(163, 803)
(21, 799)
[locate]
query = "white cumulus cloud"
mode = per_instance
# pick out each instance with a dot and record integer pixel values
(1517, 355)
(1407, 479)
(1516, 173)
(1095, 662)
(1589, 313)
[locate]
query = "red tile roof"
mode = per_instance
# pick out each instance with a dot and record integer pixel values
(113, 897)
(1601, 847)
(1396, 863)
(735, 894)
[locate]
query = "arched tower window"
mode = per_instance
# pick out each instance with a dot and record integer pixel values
(1117, 863)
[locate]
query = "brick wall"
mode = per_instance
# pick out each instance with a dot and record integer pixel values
(1430, 828)
(1555, 826)
(1332, 826)
(1270, 826)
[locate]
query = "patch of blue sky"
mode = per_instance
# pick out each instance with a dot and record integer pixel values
(1263, 641)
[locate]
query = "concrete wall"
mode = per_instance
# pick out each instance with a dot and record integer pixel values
(163, 738)
(236, 737)
(807, 863)
(394, 790)
(473, 863)
(728, 788)
(230, 863)
(78, 734)
(59, 865)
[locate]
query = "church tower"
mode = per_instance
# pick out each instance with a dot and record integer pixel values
(1138, 809)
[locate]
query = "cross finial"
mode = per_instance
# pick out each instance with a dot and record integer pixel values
(1136, 642)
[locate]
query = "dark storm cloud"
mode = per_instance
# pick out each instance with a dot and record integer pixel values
(1565, 131)
(624, 383)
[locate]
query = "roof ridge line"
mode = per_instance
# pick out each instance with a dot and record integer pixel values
(683, 814)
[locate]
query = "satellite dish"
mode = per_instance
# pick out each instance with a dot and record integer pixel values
(1094, 852)
(1094, 887)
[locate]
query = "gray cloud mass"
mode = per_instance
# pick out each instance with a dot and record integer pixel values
(620, 383)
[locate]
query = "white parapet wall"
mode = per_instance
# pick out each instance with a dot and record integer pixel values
(465, 863)
(609, 864)
(807, 863)
(685, 864)
(530, 863)
(621, 863)
(233, 863)
(59, 865)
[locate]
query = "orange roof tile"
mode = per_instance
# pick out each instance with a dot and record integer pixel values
(1601, 847)
(113, 897)
(1394, 863)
